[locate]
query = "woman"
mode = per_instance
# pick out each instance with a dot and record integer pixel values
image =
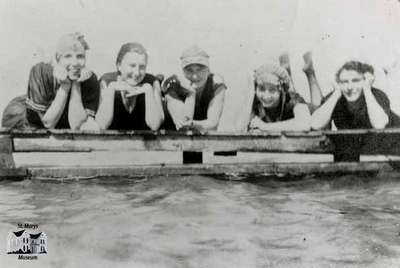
(130, 97)
(196, 101)
(355, 104)
(62, 94)
(274, 107)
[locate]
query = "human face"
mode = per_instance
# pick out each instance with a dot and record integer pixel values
(73, 61)
(197, 74)
(351, 84)
(133, 68)
(268, 94)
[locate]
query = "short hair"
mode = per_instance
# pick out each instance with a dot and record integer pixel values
(130, 47)
(357, 66)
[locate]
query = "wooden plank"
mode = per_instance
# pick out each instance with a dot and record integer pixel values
(371, 142)
(234, 169)
(13, 173)
(153, 142)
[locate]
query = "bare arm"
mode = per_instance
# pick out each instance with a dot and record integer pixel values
(76, 112)
(377, 115)
(154, 115)
(214, 112)
(323, 115)
(300, 122)
(53, 114)
(181, 111)
(105, 112)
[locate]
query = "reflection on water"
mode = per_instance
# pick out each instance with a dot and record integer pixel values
(346, 221)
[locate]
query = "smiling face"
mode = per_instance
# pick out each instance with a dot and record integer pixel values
(73, 60)
(268, 94)
(197, 74)
(133, 68)
(351, 84)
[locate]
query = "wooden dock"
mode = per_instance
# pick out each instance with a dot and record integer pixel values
(345, 145)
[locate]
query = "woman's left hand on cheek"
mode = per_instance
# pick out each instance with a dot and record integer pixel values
(85, 75)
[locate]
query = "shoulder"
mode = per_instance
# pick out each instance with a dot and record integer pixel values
(218, 82)
(109, 77)
(378, 93)
(42, 68)
(218, 79)
(91, 82)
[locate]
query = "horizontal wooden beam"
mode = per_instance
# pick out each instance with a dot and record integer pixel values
(371, 141)
(149, 141)
(231, 171)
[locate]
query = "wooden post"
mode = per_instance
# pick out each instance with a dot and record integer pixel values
(7, 165)
(192, 157)
(347, 148)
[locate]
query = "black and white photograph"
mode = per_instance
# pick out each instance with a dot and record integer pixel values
(212, 133)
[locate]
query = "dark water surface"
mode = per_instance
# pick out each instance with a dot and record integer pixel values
(347, 221)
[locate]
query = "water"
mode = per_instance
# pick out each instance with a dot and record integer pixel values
(348, 221)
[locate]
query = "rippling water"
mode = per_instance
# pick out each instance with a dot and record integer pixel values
(348, 221)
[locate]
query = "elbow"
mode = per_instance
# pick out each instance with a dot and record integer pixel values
(315, 124)
(302, 126)
(154, 125)
(380, 125)
(48, 123)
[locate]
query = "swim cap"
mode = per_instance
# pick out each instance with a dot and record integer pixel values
(194, 55)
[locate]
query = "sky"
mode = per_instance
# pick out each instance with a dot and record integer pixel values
(238, 35)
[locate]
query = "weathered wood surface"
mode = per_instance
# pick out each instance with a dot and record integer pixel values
(72, 141)
(361, 141)
(233, 171)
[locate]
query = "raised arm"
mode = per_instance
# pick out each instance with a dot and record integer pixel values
(323, 115)
(76, 112)
(180, 101)
(105, 113)
(214, 112)
(52, 115)
(154, 114)
(376, 113)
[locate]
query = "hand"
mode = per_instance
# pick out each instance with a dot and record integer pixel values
(119, 85)
(85, 75)
(175, 86)
(183, 123)
(188, 86)
(369, 80)
(133, 91)
(61, 74)
(255, 122)
(337, 89)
